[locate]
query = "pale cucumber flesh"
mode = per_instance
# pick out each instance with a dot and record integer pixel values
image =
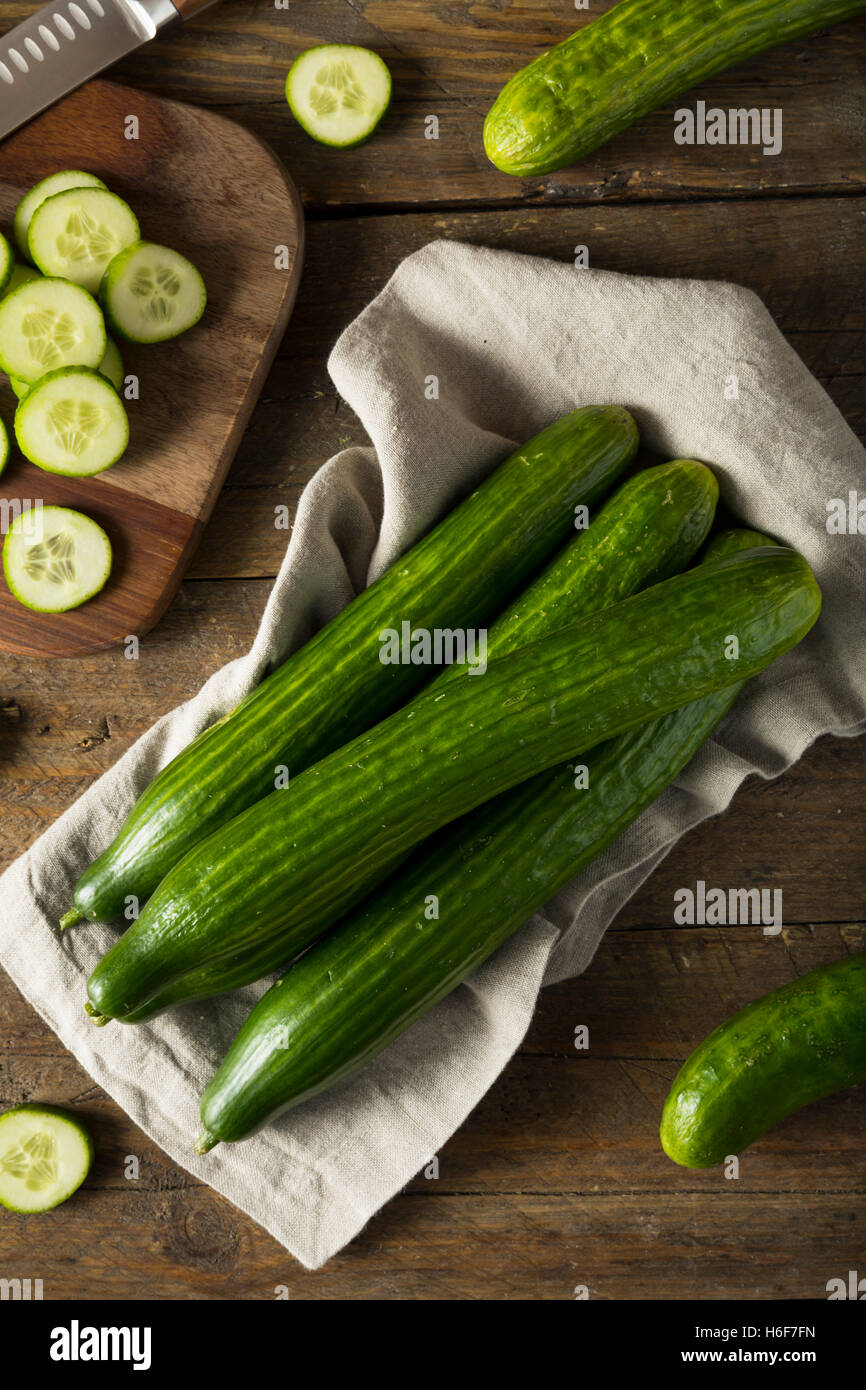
(55, 559)
(46, 188)
(45, 1155)
(339, 93)
(46, 324)
(77, 233)
(72, 422)
(151, 293)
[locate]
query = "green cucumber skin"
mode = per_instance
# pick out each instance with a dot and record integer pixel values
(386, 965)
(628, 62)
(335, 686)
(649, 528)
(778, 1054)
(282, 872)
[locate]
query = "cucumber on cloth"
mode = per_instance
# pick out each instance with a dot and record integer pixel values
(45, 1155)
(260, 889)
(629, 61)
(335, 686)
(339, 93)
(55, 559)
(73, 422)
(647, 530)
(387, 964)
(46, 324)
(776, 1055)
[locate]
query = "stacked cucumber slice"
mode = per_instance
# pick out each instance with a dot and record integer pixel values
(87, 265)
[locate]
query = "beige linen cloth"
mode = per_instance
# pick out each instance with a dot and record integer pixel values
(514, 341)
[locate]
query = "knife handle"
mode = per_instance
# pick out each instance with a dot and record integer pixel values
(187, 8)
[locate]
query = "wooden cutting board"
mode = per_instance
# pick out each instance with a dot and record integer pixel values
(215, 192)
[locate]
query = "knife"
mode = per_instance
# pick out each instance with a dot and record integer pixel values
(61, 46)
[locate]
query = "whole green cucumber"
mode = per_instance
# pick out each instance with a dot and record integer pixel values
(271, 881)
(776, 1055)
(335, 686)
(629, 61)
(388, 963)
(650, 528)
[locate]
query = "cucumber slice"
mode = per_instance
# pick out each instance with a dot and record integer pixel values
(45, 1155)
(55, 559)
(151, 293)
(46, 324)
(76, 233)
(72, 422)
(20, 275)
(7, 263)
(111, 366)
(46, 188)
(4, 445)
(338, 93)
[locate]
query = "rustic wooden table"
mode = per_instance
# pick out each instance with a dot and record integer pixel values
(557, 1179)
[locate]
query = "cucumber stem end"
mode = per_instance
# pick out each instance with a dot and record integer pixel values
(71, 918)
(205, 1142)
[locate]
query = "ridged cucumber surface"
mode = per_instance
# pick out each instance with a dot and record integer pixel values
(266, 885)
(778, 1054)
(335, 686)
(629, 61)
(648, 529)
(388, 963)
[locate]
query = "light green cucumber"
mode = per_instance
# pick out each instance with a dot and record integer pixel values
(45, 1155)
(339, 93)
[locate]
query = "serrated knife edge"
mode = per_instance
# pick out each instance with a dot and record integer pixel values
(59, 47)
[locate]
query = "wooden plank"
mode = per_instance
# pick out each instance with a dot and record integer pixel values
(801, 256)
(559, 1168)
(196, 395)
(450, 61)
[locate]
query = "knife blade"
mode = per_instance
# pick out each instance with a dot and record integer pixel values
(64, 44)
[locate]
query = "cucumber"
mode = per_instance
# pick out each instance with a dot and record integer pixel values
(73, 422)
(335, 686)
(55, 183)
(46, 324)
(629, 61)
(4, 445)
(339, 93)
(75, 234)
(151, 293)
(263, 887)
(647, 530)
(20, 275)
(387, 964)
(778, 1054)
(111, 366)
(55, 559)
(7, 264)
(45, 1155)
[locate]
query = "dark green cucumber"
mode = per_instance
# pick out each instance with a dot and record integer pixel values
(271, 881)
(335, 686)
(388, 963)
(778, 1054)
(649, 529)
(629, 61)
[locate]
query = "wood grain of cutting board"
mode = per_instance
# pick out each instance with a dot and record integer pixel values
(215, 192)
